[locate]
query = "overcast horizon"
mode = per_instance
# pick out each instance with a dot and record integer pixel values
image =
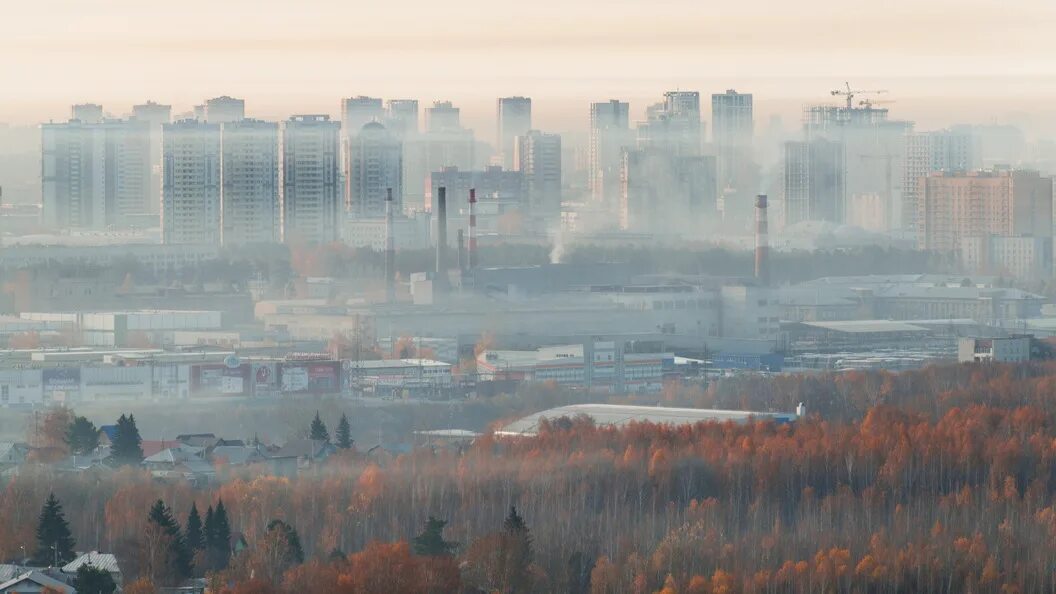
(942, 63)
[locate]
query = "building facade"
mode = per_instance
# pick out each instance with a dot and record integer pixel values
(538, 158)
(610, 135)
(311, 191)
(191, 186)
(250, 208)
(513, 118)
(956, 205)
(375, 167)
(928, 152)
(814, 181)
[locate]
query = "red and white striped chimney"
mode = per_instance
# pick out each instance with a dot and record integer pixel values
(762, 242)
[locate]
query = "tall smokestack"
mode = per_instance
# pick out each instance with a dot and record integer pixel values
(472, 229)
(762, 242)
(390, 251)
(441, 239)
(461, 243)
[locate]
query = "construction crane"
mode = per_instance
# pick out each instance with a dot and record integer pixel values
(848, 93)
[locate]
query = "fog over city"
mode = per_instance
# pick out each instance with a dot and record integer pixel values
(560, 297)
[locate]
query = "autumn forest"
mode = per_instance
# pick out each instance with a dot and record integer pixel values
(937, 480)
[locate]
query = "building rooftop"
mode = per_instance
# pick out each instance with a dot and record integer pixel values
(617, 415)
(867, 326)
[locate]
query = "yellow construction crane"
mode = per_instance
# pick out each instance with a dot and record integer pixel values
(848, 93)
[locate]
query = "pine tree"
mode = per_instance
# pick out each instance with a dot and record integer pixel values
(127, 445)
(343, 433)
(318, 430)
(82, 436)
(193, 531)
(54, 542)
(93, 580)
(179, 556)
(431, 543)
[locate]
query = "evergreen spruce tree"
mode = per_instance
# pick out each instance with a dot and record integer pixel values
(293, 553)
(343, 433)
(179, 556)
(127, 445)
(54, 541)
(193, 530)
(515, 553)
(93, 580)
(431, 543)
(318, 430)
(217, 537)
(82, 436)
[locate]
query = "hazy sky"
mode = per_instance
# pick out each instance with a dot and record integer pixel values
(286, 55)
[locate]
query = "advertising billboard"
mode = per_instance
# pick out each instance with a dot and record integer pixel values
(61, 384)
(220, 380)
(315, 377)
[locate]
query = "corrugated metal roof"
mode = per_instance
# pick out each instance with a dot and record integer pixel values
(866, 326)
(105, 561)
(620, 415)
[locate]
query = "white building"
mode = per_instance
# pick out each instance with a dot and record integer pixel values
(1013, 349)
(311, 196)
(250, 210)
(191, 183)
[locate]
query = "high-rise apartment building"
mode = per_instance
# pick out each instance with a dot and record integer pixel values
(155, 115)
(538, 158)
(357, 111)
(311, 192)
(375, 158)
(610, 135)
(673, 125)
(927, 152)
(732, 129)
(190, 203)
(661, 192)
(443, 116)
(513, 118)
(401, 117)
(87, 113)
(957, 205)
(221, 110)
(250, 209)
(732, 119)
(814, 183)
(95, 176)
(874, 155)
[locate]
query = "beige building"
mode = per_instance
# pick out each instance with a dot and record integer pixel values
(957, 205)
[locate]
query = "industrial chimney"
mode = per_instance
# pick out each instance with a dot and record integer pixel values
(440, 282)
(460, 242)
(390, 251)
(472, 229)
(762, 242)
